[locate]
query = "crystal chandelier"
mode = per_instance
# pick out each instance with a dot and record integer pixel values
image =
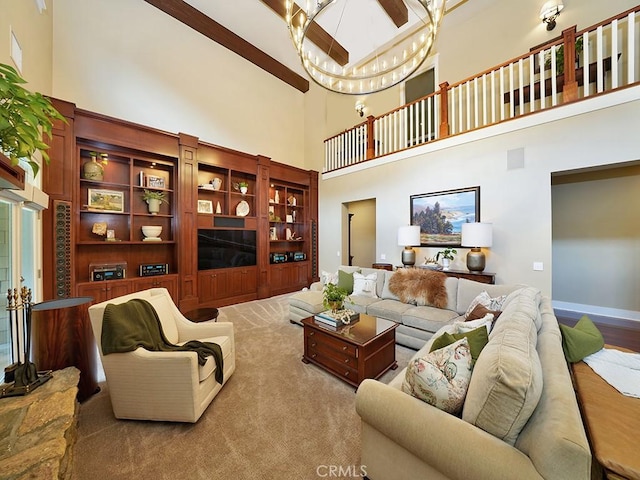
(397, 43)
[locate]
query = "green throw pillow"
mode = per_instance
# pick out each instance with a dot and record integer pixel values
(581, 340)
(345, 281)
(477, 339)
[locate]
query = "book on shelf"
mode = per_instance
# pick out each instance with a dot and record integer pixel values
(340, 317)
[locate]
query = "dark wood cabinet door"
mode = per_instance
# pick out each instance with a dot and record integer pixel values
(170, 282)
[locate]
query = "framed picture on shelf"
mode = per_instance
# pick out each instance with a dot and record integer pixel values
(153, 181)
(205, 206)
(440, 215)
(105, 200)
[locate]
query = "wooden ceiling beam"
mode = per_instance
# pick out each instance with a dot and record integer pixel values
(185, 13)
(397, 11)
(315, 33)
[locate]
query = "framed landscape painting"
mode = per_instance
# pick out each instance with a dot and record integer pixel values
(205, 206)
(105, 200)
(440, 215)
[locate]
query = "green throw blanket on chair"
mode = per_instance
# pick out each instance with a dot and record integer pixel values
(127, 326)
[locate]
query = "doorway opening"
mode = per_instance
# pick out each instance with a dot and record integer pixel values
(359, 238)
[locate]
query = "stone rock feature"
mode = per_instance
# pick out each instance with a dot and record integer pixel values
(38, 430)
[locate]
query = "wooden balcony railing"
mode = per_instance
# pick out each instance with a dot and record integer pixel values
(607, 58)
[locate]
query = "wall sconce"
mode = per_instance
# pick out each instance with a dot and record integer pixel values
(549, 12)
(409, 236)
(360, 107)
(476, 236)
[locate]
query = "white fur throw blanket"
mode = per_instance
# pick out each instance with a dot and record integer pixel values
(419, 287)
(620, 369)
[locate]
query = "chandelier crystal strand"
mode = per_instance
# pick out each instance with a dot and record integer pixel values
(397, 60)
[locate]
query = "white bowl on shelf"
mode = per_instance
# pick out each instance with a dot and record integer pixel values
(152, 232)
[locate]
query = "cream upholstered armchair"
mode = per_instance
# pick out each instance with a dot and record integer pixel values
(168, 386)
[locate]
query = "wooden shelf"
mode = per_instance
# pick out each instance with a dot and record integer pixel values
(123, 173)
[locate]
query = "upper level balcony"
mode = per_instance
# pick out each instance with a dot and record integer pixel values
(577, 66)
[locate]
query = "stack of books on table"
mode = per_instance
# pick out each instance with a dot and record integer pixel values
(338, 318)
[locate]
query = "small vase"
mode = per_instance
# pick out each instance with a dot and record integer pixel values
(445, 263)
(217, 183)
(92, 170)
(244, 190)
(335, 306)
(154, 206)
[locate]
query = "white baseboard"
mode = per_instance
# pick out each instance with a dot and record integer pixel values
(604, 314)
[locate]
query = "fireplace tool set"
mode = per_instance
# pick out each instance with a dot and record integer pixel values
(20, 377)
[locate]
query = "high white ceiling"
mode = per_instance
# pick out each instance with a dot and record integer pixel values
(262, 27)
(257, 24)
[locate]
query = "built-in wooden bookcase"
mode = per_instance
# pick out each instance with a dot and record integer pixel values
(289, 236)
(197, 215)
(287, 219)
(111, 212)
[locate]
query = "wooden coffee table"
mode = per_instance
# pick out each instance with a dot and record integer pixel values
(364, 349)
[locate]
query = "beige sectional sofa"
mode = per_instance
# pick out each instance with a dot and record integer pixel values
(417, 323)
(520, 417)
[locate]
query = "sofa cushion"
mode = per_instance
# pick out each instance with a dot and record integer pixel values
(430, 319)
(360, 303)
(365, 284)
(451, 283)
(477, 339)
(441, 377)
(205, 371)
(485, 300)
(328, 277)
(310, 301)
(581, 340)
(412, 337)
(507, 380)
(386, 293)
(468, 290)
(467, 326)
(345, 280)
(480, 311)
(160, 304)
(389, 309)
(379, 278)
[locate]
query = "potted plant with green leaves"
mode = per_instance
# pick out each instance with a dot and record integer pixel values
(24, 118)
(447, 255)
(154, 198)
(243, 187)
(333, 297)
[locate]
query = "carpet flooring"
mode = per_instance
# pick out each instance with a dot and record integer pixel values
(276, 418)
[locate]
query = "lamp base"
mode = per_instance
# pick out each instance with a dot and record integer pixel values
(475, 260)
(408, 256)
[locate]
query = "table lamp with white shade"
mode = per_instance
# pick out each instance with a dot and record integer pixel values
(409, 236)
(476, 235)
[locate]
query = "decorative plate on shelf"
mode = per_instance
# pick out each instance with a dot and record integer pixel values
(242, 210)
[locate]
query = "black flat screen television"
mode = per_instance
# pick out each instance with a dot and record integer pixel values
(226, 248)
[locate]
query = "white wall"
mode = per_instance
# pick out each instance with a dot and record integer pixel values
(129, 60)
(517, 202)
(34, 33)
